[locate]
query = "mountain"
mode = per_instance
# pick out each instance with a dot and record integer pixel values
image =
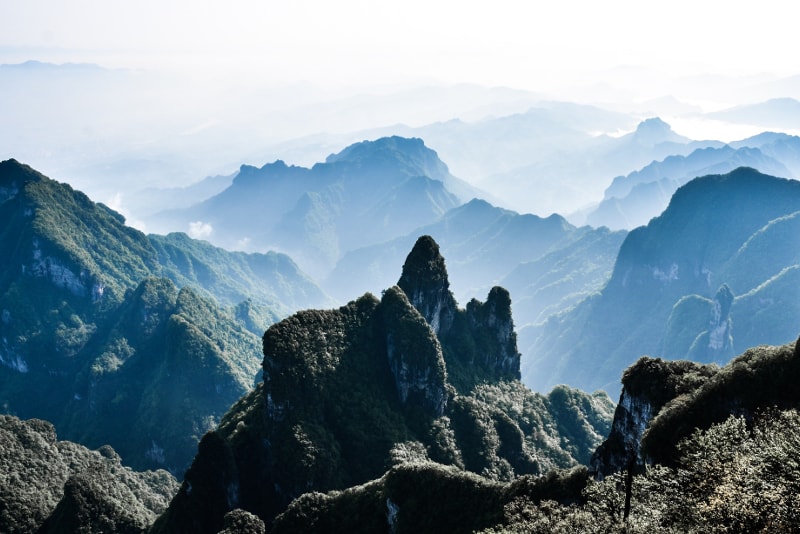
(367, 193)
(634, 199)
(698, 281)
(563, 276)
(481, 241)
(348, 393)
(563, 183)
(693, 448)
(151, 200)
(776, 113)
(48, 485)
(271, 279)
(98, 338)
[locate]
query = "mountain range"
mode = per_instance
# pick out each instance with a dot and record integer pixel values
(357, 197)
(634, 199)
(120, 338)
(146, 342)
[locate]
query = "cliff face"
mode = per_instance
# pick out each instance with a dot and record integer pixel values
(663, 402)
(492, 325)
(647, 386)
(479, 344)
(414, 355)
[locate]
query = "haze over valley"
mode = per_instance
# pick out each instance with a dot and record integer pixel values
(309, 267)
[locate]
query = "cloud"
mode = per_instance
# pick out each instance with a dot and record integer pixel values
(200, 230)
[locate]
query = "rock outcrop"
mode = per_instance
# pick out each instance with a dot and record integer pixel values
(647, 386)
(424, 281)
(491, 324)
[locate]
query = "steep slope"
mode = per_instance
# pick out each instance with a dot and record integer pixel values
(563, 276)
(693, 448)
(349, 392)
(90, 331)
(674, 277)
(664, 402)
(271, 279)
(60, 486)
(369, 192)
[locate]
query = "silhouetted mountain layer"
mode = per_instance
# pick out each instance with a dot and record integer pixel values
(369, 192)
(634, 199)
(564, 184)
(486, 245)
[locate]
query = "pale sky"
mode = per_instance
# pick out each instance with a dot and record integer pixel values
(521, 44)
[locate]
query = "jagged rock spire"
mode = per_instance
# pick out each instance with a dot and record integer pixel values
(424, 281)
(492, 325)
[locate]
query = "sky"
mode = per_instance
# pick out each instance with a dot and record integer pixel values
(520, 44)
(226, 83)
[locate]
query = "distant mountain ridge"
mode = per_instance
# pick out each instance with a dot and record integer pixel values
(634, 199)
(367, 193)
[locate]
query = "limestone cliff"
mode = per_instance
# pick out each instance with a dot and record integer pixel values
(414, 354)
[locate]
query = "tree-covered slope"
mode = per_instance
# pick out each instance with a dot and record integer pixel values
(96, 337)
(272, 279)
(694, 448)
(48, 485)
(350, 392)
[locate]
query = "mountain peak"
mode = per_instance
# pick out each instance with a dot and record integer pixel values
(367, 148)
(424, 281)
(408, 154)
(653, 131)
(14, 174)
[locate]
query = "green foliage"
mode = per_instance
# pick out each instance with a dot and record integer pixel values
(760, 377)
(272, 280)
(74, 488)
(242, 522)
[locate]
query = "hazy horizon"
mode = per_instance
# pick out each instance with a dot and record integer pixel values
(189, 90)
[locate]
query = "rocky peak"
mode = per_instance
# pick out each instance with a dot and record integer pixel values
(13, 176)
(492, 321)
(424, 281)
(407, 154)
(720, 339)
